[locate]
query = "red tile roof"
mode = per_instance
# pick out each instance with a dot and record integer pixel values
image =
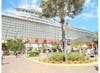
(32, 40)
(40, 40)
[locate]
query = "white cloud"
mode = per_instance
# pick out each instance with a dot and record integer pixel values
(86, 17)
(87, 3)
(28, 4)
(89, 15)
(90, 4)
(23, 4)
(92, 9)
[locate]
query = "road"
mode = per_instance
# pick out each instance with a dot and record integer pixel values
(12, 64)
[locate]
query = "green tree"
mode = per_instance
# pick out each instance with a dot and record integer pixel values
(61, 8)
(9, 44)
(20, 44)
(15, 44)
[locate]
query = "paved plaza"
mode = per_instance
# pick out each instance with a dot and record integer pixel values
(11, 64)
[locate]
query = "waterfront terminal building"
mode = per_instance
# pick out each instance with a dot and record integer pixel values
(32, 28)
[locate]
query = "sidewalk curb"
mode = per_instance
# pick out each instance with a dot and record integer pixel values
(87, 64)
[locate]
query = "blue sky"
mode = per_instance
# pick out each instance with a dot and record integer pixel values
(88, 19)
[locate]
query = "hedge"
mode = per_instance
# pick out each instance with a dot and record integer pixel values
(33, 53)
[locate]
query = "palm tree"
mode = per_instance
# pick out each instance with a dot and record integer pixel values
(61, 8)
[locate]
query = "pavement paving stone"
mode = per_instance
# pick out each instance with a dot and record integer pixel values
(22, 65)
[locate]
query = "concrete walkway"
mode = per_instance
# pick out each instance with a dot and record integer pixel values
(11, 64)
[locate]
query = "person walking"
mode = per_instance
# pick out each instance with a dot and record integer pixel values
(16, 54)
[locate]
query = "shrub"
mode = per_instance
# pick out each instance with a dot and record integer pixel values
(56, 56)
(15, 44)
(33, 53)
(76, 56)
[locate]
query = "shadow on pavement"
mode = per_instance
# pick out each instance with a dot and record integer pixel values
(5, 63)
(96, 68)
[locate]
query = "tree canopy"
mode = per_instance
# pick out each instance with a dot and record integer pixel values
(61, 8)
(15, 45)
